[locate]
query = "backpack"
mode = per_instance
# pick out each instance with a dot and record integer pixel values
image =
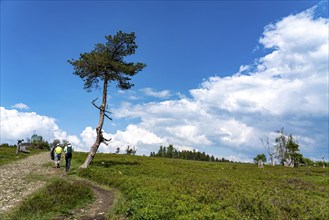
(52, 153)
(69, 150)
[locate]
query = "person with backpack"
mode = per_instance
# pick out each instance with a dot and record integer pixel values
(68, 156)
(58, 155)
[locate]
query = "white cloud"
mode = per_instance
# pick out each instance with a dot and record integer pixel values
(88, 136)
(21, 125)
(158, 94)
(227, 115)
(142, 139)
(137, 137)
(188, 133)
(129, 94)
(294, 74)
(17, 125)
(20, 106)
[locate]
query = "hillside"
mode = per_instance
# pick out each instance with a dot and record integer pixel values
(160, 188)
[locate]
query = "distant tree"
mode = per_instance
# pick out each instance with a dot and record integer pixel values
(117, 150)
(6, 145)
(293, 157)
(106, 64)
(260, 157)
(176, 153)
(269, 149)
(161, 151)
(128, 150)
(64, 142)
(287, 150)
(55, 142)
(40, 144)
(134, 151)
(281, 146)
(170, 151)
(131, 150)
(193, 155)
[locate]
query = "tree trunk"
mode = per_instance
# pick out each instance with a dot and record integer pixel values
(99, 138)
(272, 159)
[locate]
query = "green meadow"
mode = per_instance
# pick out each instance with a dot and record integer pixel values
(163, 188)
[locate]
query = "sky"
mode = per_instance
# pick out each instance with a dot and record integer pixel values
(220, 75)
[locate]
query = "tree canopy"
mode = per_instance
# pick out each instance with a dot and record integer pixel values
(259, 157)
(106, 62)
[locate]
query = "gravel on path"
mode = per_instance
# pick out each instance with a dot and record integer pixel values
(14, 181)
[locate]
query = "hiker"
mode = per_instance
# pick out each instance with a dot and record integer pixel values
(68, 156)
(58, 154)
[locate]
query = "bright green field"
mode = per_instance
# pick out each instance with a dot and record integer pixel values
(161, 188)
(8, 154)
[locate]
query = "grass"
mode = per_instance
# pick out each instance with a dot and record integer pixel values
(8, 154)
(160, 188)
(58, 198)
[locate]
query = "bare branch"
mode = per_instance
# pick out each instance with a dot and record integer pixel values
(108, 117)
(103, 111)
(93, 102)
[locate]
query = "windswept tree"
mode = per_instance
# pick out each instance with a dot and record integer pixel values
(103, 65)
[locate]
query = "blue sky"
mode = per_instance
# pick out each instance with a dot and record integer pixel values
(220, 74)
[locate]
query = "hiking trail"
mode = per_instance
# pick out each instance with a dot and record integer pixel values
(20, 179)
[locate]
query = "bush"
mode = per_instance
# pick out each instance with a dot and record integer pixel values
(40, 145)
(57, 198)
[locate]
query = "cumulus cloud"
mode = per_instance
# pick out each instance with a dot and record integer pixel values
(287, 87)
(21, 125)
(17, 125)
(294, 74)
(20, 106)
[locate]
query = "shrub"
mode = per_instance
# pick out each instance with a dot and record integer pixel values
(57, 198)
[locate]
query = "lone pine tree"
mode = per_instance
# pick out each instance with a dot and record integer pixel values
(106, 64)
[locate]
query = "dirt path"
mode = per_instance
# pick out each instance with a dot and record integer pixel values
(96, 210)
(15, 184)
